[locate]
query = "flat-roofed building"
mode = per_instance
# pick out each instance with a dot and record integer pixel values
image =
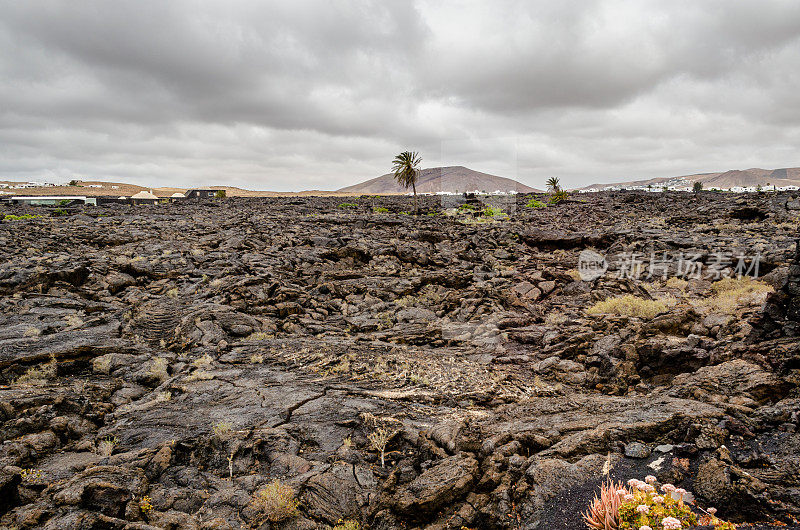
(52, 200)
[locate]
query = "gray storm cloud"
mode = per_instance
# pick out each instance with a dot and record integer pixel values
(321, 94)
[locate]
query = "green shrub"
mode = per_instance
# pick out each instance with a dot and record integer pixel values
(221, 194)
(58, 212)
(380, 209)
(348, 205)
(558, 197)
(491, 211)
(11, 217)
(535, 203)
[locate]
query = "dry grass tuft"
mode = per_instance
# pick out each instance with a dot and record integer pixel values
(200, 375)
(630, 306)
(730, 294)
(159, 369)
(39, 375)
(106, 446)
(676, 283)
(203, 362)
(348, 525)
(277, 501)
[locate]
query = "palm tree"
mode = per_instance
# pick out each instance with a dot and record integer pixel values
(698, 186)
(405, 167)
(553, 184)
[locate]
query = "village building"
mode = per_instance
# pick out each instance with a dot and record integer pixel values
(144, 197)
(200, 194)
(51, 200)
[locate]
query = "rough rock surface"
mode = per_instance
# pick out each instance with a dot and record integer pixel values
(161, 365)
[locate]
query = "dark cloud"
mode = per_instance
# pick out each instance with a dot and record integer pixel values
(320, 93)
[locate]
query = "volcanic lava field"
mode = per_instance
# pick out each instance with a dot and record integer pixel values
(163, 366)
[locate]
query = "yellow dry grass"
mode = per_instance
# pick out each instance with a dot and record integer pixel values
(631, 306)
(731, 294)
(277, 501)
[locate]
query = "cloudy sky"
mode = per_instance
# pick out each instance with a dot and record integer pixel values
(303, 94)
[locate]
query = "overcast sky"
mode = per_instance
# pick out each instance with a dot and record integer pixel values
(295, 94)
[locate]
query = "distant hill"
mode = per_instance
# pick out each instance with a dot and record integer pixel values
(723, 180)
(97, 188)
(435, 179)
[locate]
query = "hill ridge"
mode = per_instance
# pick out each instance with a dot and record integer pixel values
(442, 179)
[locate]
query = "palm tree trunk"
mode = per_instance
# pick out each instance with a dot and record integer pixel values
(416, 206)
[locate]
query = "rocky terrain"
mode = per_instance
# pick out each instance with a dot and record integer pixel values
(161, 366)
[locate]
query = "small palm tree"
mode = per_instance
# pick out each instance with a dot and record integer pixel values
(405, 167)
(553, 184)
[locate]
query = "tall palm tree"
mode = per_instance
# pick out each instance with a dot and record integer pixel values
(553, 184)
(405, 167)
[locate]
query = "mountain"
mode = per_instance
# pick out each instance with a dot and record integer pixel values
(432, 180)
(723, 180)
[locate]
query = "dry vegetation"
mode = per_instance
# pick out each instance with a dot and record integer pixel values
(730, 294)
(277, 501)
(630, 306)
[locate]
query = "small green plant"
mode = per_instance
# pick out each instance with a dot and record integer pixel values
(106, 446)
(64, 202)
(23, 217)
(58, 212)
(535, 203)
(465, 207)
(380, 209)
(277, 501)
(348, 205)
(558, 197)
(73, 182)
(491, 211)
(220, 194)
(145, 504)
(257, 358)
(31, 475)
